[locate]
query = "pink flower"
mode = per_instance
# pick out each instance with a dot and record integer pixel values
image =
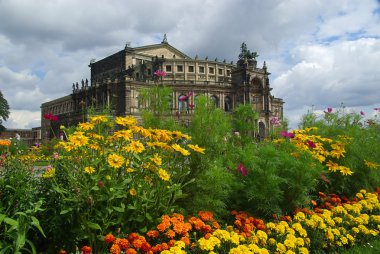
(377, 109)
(55, 156)
(275, 121)
(362, 113)
(160, 73)
(242, 169)
(286, 134)
(329, 110)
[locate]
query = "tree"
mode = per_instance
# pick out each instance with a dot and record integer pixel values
(4, 110)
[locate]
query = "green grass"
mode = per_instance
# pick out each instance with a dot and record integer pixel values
(372, 247)
(41, 163)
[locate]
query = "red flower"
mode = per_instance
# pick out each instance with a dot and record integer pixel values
(242, 169)
(86, 249)
(51, 117)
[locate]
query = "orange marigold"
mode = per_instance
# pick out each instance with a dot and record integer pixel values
(170, 234)
(130, 251)
(205, 215)
(133, 236)
(115, 249)
(109, 238)
(171, 242)
(145, 247)
(123, 243)
(153, 233)
(186, 240)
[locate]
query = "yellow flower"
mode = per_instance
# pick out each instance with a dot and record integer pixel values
(178, 148)
(124, 134)
(280, 248)
(89, 170)
(98, 119)
(130, 170)
(164, 175)
(124, 121)
(49, 173)
(345, 171)
(5, 142)
(115, 161)
(78, 139)
(134, 147)
(196, 148)
(371, 164)
(178, 135)
(86, 126)
(133, 192)
(156, 159)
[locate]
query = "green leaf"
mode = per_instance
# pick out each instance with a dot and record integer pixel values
(36, 223)
(95, 188)
(149, 217)
(93, 225)
(2, 217)
(65, 211)
(119, 209)
(11, 222)
(131, 207)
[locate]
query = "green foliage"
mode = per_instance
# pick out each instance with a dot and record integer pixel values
(212, 190)
(19, 207)
(244, 122)
(363, 140)
(4, 110)
(276, 182)
(125, 187)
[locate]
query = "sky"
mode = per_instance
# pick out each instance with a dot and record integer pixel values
(320, 53)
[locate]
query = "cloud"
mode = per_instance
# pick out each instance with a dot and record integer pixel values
(319, 52)
(327, 75)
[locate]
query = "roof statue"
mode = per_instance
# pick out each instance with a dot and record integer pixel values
(165, 39)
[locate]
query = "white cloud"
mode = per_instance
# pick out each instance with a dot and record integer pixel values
(319, 52)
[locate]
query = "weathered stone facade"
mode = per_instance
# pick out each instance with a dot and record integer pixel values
(117, 79)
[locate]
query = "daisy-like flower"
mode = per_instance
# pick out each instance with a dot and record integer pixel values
(156, 159)
(86, 126)
(178, 148)
(134, 147)
(164, 175)
(98, 119)
(196, 148)
(125, 121)
(133, 192)
(89, 170)
(115, 160)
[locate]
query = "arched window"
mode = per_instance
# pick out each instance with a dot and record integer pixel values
(227, 104)
(216, 100)
(261, 130)
(183, 101)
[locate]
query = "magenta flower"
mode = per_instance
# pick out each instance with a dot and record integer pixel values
(311, 144)
(329, 110)
(160, 73)
(286, 134)
(240, 168)
(377, 109)
(362, 113)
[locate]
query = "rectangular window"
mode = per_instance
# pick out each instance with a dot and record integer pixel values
(191, 68)
(179, 68)
(211, 70)
(228, 72)
(201, 69)
(168, 68)
(220, 71)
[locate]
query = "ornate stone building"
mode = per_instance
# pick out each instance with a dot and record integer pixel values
(117, 79)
